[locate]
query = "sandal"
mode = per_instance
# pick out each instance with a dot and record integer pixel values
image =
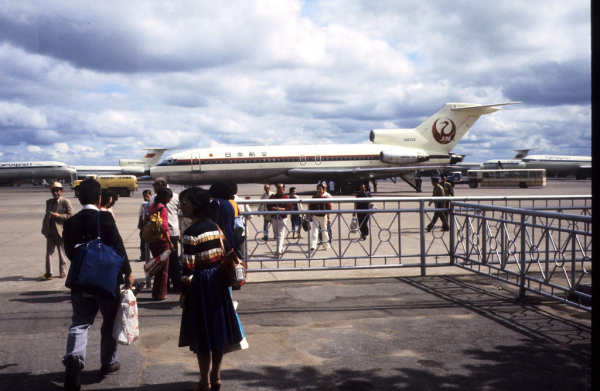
(216, 385)
(202, 387)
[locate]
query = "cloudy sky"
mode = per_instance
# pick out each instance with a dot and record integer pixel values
(89, 82)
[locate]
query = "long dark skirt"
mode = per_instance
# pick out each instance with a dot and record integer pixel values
(210, 321)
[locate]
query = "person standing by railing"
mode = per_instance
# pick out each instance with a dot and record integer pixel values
(279, 221)
(320, 221)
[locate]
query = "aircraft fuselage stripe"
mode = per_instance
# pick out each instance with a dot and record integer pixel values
(283, 159)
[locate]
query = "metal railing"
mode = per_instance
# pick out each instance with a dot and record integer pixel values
(397, 238)
(548, 253)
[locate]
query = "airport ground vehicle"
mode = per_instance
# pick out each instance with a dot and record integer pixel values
(455, 177)
(522, 178)
(123, 185)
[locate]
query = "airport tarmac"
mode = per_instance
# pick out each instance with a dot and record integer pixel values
(337, 330)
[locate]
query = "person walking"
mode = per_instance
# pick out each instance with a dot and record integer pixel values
(296, 219)
(320, 221)
(448, 192)
(279, 221)
(363, 218)
(58, 211)
(82, 228)
(263, 208)
(209, 323)
(438, 191)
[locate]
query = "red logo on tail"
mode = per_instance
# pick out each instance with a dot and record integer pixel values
(149, 155)
(443, 130)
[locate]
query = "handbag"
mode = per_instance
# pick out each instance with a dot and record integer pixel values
(126, 327)
(306, 224)
(156, 263)
(95, 268)
(234, 270)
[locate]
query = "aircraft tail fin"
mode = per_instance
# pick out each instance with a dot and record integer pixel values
(151, 158)
(440, 132)
(521, 153)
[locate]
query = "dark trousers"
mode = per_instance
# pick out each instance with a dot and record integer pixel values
(175, 266)
(363, 224)
(442, 216)
(142, 250)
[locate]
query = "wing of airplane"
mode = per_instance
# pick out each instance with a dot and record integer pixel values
(316, 174)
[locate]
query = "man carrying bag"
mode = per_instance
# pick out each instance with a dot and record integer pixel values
(82, 228)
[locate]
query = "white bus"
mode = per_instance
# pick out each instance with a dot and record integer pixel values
(515, 177)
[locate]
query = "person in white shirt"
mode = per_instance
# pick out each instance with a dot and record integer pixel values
(263, 208)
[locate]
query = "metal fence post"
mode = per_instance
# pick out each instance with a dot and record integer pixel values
(422, 236)
(522, 260)
(483, 238)
(452, 231)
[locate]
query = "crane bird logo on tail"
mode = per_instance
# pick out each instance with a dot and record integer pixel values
(443, 130)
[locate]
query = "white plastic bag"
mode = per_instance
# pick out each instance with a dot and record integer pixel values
(126, 327)
(354, 224)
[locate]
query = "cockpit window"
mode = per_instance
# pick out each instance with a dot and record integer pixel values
(168, 161)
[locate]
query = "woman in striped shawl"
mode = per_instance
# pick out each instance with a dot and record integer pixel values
(209, 323)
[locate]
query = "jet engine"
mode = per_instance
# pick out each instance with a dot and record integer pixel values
(403, 157)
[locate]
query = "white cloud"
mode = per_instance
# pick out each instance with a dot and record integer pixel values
(84, 75)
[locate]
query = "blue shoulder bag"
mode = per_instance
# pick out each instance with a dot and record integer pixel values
(95, 268)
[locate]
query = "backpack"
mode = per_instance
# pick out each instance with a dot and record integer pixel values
(152, 230)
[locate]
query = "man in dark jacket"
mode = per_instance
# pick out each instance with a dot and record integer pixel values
(363, 218)
(82, 228)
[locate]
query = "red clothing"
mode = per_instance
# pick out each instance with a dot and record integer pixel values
(164, 215)
(272, 207)
(161, 279)
(323, 206)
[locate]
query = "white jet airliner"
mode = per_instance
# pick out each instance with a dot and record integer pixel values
(135, 167)
(14, 172)
(555, 165)
(393, 152)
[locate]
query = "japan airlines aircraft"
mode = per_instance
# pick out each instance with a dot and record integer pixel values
(11, 173)
(393, 152)
(555, 165)
(135, 167)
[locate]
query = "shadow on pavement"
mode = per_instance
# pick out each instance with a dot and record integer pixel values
(44, 297)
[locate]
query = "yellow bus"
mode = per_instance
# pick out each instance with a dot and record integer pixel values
(123, 185)
(515, 177)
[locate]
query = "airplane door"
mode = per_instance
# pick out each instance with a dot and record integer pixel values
(195, 161)
(317, 159)
(302, 160)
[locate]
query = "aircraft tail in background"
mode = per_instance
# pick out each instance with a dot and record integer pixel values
(440, 132)
(521, 153)
(151, 159)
